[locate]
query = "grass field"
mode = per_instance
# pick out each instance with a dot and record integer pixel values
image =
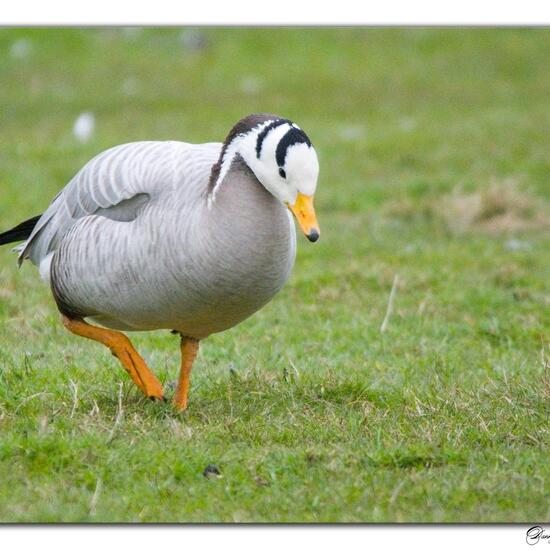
(435, 165)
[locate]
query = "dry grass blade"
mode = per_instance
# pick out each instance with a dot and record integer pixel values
(74, 389)
(95, 497)
(29, 398)
(119, 415)
(389, 309)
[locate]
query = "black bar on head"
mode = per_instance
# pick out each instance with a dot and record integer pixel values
(293, 136)
(262, 135)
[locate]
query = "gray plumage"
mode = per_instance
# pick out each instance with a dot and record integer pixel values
(135, 241)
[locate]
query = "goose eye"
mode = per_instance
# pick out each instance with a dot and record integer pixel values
(282, 173)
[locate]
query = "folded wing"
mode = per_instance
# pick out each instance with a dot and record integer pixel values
(116, 184)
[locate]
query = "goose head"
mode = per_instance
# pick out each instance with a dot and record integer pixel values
(282, 158)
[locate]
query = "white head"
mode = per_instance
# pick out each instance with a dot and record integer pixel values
(281, 156)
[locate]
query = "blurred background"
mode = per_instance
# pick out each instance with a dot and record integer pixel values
(396, 114)
(393, 112)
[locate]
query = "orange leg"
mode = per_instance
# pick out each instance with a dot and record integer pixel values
(189, 348)
(122, 348)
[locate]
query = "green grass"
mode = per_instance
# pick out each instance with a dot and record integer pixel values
(434, 152)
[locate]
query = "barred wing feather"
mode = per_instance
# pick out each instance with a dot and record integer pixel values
(117, 184)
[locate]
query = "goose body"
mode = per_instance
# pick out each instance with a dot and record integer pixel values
(205, 268)
(171, 235)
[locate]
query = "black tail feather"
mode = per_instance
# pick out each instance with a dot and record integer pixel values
(20, 232)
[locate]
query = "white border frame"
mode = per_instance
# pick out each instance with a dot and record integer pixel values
(279, 12)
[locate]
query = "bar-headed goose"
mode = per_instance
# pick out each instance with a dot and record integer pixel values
(169, 235)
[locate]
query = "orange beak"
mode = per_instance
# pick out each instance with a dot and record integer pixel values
(305, 215)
